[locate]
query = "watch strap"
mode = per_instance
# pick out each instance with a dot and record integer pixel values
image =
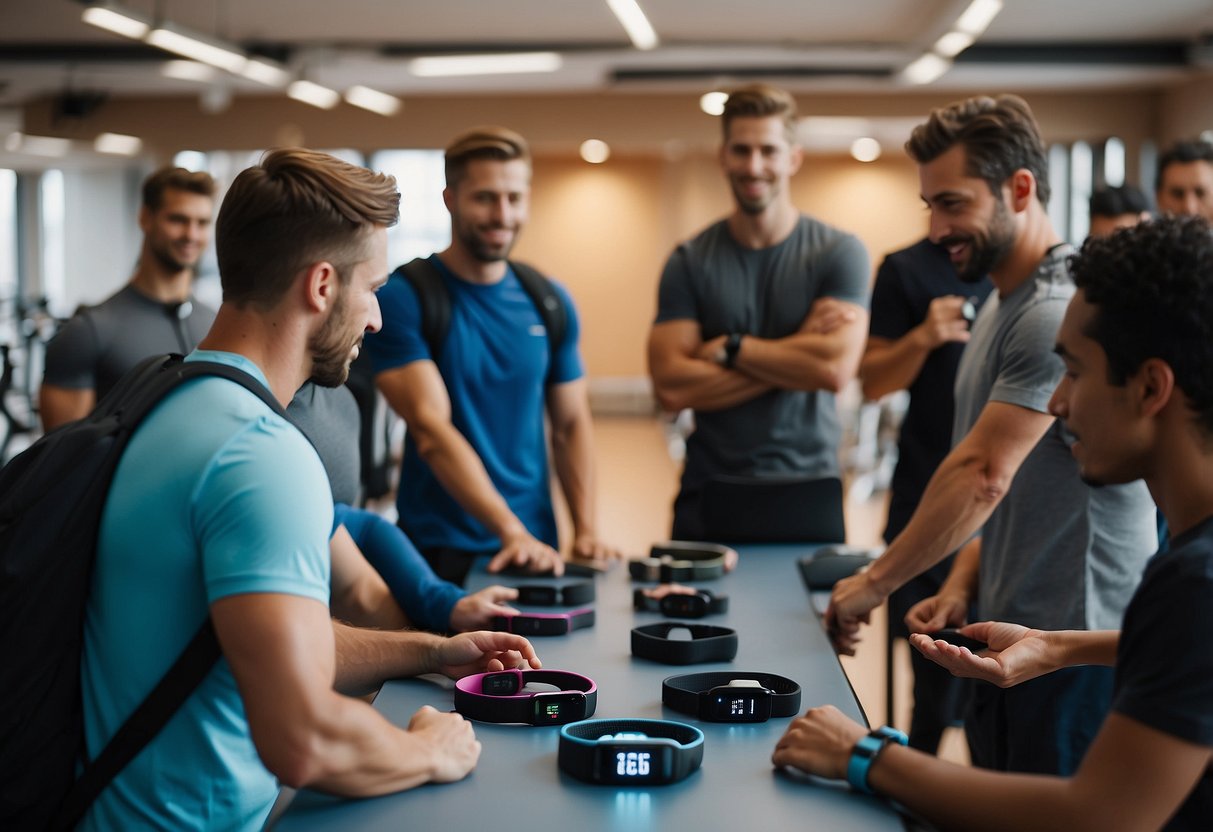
(544, 623)
(732, 346)
(473, 699)
(708, 643)
(865, 753)
(684, 693)
(579, 740)
(574, 594)
(680, 561)
(714, 603)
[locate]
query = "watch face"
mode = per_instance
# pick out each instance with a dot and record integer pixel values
(685, 606)
(738, 704)
(557, 708)
(625, 762)
(500, 684)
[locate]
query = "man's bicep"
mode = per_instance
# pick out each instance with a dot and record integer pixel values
(281, 651)
(417, 392)
(568, 402)
(59, 405)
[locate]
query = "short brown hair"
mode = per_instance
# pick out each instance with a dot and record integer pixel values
(760, 101)
(489, 142)
(1000, 136)
(177, 179)
(297, 207)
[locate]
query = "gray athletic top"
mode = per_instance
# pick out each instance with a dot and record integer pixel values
(101, 343)
(1056, 554)
(765, 292)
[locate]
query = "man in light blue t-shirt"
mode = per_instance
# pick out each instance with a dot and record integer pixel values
(221, 507)
(475, 475)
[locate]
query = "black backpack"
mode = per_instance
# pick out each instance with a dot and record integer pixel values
(51, 500)
(435, 302)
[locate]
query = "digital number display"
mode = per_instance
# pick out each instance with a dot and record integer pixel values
(633, 763)
(739, 705)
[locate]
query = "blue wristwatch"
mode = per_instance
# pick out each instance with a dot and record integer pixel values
(865, 753)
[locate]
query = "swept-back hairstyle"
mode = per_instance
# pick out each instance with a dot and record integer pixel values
(297, 207)
(177, 179)
(1183, 153)
(999, 135)
(760, 101)
(1152, 288)
(498, 143)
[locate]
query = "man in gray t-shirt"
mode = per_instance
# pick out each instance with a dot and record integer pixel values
(761, 319)
(154, 313)
(1053, 553)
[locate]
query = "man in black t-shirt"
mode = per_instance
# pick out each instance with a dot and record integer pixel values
(1137, 343)
(917, 333)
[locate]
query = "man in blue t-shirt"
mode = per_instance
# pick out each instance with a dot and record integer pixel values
(220, 507)
(1137, 394)
(475, 474)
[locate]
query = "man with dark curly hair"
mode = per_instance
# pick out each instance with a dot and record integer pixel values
(1137, 393)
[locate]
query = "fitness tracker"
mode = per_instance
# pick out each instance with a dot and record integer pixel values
(732, 346)
(499, 697)
(732, 696)
(678, 560)
(680, 605)
(544, 623)
(865, 753)
(707, 643)
(562, 595)
(625, 752)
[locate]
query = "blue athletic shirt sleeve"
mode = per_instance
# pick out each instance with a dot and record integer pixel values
(262, 512)
(399, 341)
(566, 359)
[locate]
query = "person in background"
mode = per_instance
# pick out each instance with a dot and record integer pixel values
(1184, 185)
(1113, 208)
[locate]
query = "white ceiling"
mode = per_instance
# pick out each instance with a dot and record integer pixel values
(806, 45)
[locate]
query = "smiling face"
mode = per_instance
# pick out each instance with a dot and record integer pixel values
(176, 233)
(1110, 445)
(973, 224)
(1186, 189)
(489, 207)
(355, 311)
(759, 161)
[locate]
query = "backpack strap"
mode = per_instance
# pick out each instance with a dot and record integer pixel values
(548, 302)
(130, 401)
(434, 300)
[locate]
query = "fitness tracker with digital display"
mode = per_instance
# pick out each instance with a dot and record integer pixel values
(707, 643)
(682, 605)
(678, 560)
(500, 697)
(865, 753)
(732, 696)
(556, 595)
(627, 752)
(544, 623)
(732, 346)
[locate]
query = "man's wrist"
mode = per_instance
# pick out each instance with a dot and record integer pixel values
(732, 349)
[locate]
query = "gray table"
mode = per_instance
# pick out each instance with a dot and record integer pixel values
(517, 780)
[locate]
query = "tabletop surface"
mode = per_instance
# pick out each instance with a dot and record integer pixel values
(736, 788)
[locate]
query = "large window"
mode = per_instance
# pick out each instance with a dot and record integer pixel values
(8, 233)
(425, 226)
(54, 242)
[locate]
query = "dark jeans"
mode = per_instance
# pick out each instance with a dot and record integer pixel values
(1042, 726)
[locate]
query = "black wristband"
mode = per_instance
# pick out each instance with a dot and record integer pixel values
(732, 346)
(556, 595)
(707, 643)
(718, 697)
(499, 697)
(682, 605)
(677, 560)
(544, 623)
(626, 752)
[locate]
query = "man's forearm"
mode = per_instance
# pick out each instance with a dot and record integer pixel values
(704, 385)
(803, 361)
(573, 456)
(463, 475)
(955, 505)
(365, 658)
(1078, 647)
(890, 366)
